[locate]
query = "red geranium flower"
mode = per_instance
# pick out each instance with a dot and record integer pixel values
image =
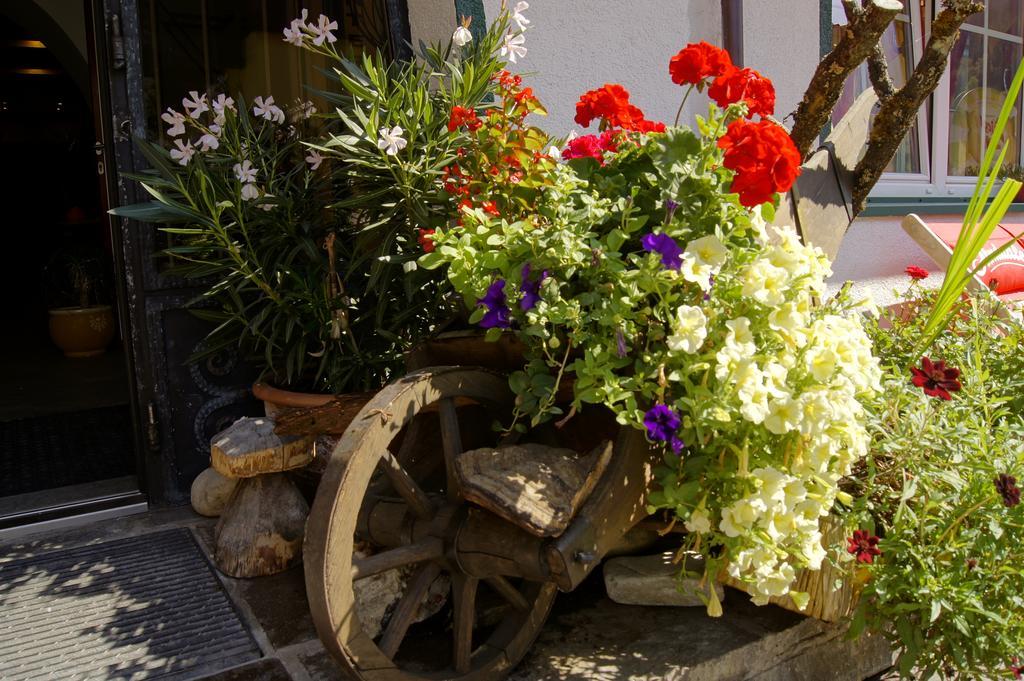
(583, 147)
(864, 546)
(425, 241)
(936, 378)
(491, 208)
(610, 103)
(746, 85)
(764, 158)
(916, 272)
(698, 61)
(648, 126)
(462, 116)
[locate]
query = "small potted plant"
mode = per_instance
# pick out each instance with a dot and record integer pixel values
(81, 321)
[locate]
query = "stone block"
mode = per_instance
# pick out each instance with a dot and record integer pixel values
(654, 580)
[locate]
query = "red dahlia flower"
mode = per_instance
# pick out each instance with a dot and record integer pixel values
(697, 61)
(764, 158)
(915, 272)
(936, 378)
(746, 85)
(864, 546)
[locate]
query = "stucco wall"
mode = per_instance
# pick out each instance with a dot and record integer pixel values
(781, 39)
(431, 21)
(576, 45)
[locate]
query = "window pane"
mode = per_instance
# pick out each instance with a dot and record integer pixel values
(965, 96)
(1006, 16)
(1003, 59)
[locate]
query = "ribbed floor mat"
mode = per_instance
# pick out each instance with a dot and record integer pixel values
(147, 607)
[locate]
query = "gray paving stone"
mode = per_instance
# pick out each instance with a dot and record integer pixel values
(654, 580)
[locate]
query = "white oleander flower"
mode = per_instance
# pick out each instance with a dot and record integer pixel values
(265, 108)
(462, 37)
(512, 47)
(517, 15)
(690, 330)
(245, 172)
(322, 31)
(250, 192)
(314, 159)
(391, 141)
(176, 120)
(208, 141)
(196, 105)
(183, 152)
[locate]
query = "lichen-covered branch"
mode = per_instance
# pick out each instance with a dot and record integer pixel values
(860, 36)
(899, 111)
(878, 71)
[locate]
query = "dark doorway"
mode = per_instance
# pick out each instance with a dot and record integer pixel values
(66, 429)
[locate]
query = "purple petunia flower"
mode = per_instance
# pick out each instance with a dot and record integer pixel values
(711, 285)
(620, 343)
(666, 246)
(530, 289)
(662, 423)
(670, 210)
(498, 314)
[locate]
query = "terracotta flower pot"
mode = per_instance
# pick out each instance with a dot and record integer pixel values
(276, 400)
(82, 331)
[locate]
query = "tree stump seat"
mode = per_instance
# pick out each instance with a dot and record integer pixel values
(250, 447)
(537, 487)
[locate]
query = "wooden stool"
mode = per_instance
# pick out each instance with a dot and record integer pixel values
(261, 528)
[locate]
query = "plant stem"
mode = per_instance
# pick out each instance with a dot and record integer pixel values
(679, 113)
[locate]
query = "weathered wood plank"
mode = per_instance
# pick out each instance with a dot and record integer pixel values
(250, 447)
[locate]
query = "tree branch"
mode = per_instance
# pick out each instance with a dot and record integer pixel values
(878, 71)
(899, 111)
(857, 42)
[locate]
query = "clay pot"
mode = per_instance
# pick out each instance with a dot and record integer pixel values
(276, 400)
(82, 331)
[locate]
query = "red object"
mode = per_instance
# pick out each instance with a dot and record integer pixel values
(744, 85)
(1005, 274)
(583, 147)
(610, 103)
(916, 272)
(698, 61)
(936, 378)
(491, 208)
(462, 116)
(764, 158)
(864, 546)
(425, 241)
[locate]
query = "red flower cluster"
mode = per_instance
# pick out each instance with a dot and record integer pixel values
(592, 146)
(744, 85)
(864, 546)
(1006, 485)
(697, 61)
(936, 378)
(610, 103)
(462, 116)
(425, 241)
(915, 272)
(764, 158)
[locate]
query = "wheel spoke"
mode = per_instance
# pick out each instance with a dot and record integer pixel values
(451, 438)
(403, 483)
(508, 592)
(405, 611)
(464, 597)
(427, 549)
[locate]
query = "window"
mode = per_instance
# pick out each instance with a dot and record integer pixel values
(941, 154)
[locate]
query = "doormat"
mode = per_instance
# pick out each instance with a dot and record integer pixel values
(147, 607)
(70, 448)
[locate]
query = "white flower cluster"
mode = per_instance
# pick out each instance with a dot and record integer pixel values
(791, 372)
(299, 33)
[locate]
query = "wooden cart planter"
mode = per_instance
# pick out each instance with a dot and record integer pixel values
(419, 498)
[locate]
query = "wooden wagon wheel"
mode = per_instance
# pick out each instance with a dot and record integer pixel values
(390, 484)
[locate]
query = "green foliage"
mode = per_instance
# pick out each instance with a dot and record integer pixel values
(312, 272)
(948, 589)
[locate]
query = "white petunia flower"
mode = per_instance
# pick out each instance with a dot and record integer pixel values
(783, 415)
(702, 259)
(462, 37)
(690, 330)
(176, 120)
(323, 29)
(265, 108)
(391, 141)
(245, 172)
(195, 106)
(183, 152)
(517, 15)
(250, 192)
(512, 47)
(314, 159)
(699, 522)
